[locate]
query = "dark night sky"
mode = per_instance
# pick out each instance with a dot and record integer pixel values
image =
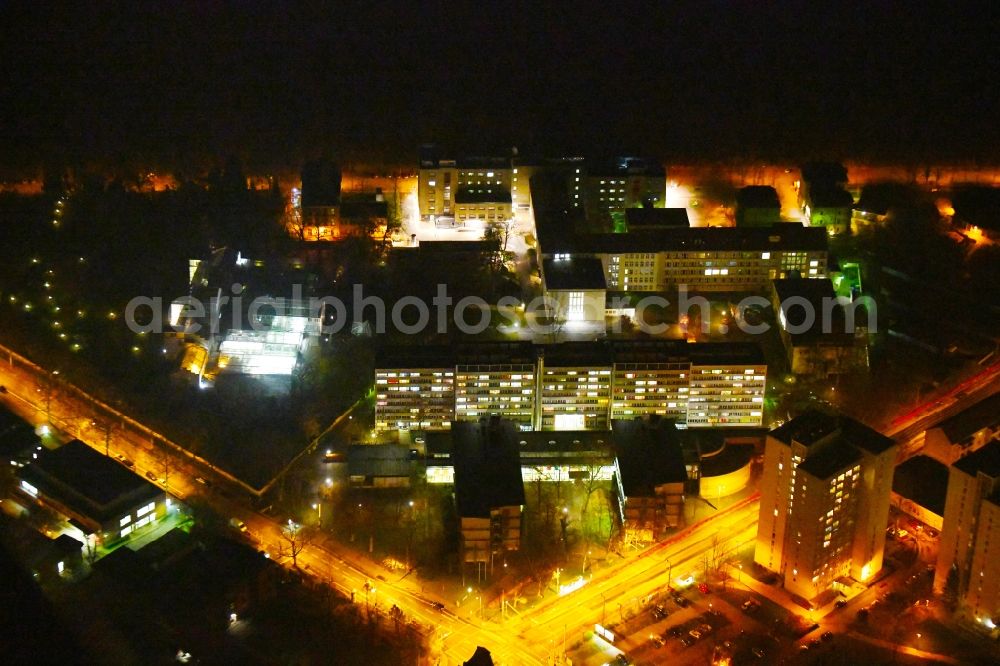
(277, 83)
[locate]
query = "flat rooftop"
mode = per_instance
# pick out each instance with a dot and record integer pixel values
(87, 482)
(649, 455)
(569, 354)
(813, 425)
(983, 461)
(779, 237)
(830, 460)
(583, 273)
(651, 218)
(983, 414)
(487, 467)
(758, 196)
(923, 480)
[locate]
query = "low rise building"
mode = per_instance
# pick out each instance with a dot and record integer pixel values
(821, 337)
(105, 501)
(576, 287)
(650, 477)
(965, 432)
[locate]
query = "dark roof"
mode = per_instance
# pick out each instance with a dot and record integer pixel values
(573, 353)
(758, 196)
(977, 205)
(863, 437)
(379, 460)
(830, 197)
(878, 198)
(645, 218)
(812, 289)
(985, 460)
(731, 458)
(415, 356)
(487, 466)
(617, 167)
(481, 657)
(86, 481)
(813, 425)
(576, 273)
(495, 194)
(649, 455)
(320, 184)
(807, 428)
(363, 208)
(983, 414)
(830, 460)
(816, 291)
(431, 157)
(924, 481)
(750, 239)
(17, 436)
(726, 353)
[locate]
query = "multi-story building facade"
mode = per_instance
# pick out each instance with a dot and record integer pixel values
(969, 554)
(626, 182)
(572, 385)
(704, 259)
(464, 189)
(726, 389)
(824, 502)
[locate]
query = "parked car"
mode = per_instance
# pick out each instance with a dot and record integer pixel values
(152, 477)
(675, 632)
(687, 641)
(656, 641)
(840, 603)
(750, 605)
(203, 481)
(622, 660)
(705, 629)
(680, 601)
(695, 634)
(659, 612)
(827, 636)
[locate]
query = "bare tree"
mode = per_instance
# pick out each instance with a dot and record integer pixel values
(294, 539)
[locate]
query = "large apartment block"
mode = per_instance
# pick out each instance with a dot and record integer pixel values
(969, 554)
(824, 502)
(572, 385)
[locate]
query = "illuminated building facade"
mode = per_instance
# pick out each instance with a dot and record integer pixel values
(969, 554)
(726, 389)
(572, 385)
(464, 189)
(625, 182)
(824, 502)
(703, 258)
